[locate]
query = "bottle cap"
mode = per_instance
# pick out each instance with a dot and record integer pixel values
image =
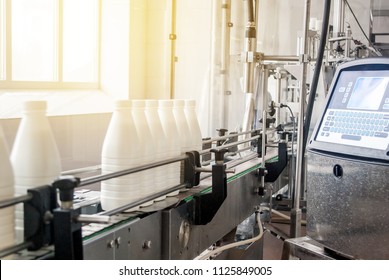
(138, 103)
(34, 105)
(179, 102)
(151, 103)
(122, 104)
(190, 103)
(167, 103)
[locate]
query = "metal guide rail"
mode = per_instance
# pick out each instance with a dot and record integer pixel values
(64, 228)
(243, 166)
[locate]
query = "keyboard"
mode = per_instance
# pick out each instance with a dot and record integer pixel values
(354, 125)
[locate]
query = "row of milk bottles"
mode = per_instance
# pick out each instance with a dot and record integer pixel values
(142, 132)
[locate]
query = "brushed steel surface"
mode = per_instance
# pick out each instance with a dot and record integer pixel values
(349, 214)
(168, 233)
(139, 239)
(239, 204)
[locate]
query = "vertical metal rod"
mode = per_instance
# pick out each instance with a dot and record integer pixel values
(250, 44)
(264, 117)
(249, 48)
(214, 102)
(278, 76)
(348, 43)
(296, 212)
(225, 58)
(339, 13)
(172, 37)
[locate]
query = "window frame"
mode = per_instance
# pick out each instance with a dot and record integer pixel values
(58, 83)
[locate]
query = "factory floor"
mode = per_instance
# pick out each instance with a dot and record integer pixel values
(272, 247)
(274, 234)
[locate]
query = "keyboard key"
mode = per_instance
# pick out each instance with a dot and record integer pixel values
(351, 137)
(326, 128)
(381, 134)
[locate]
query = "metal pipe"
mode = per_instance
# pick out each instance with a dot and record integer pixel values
(264, 117)
(250, 48)
(93, 219)
(15, 200)
(318, 66)
(227, 154)
(225, 35)
(228, 136)
(292, 58)
(296, 212)
(14, 249)
(264, 110)
(141, 201)
(99, 178)
(340, 38)
(250, 10)
(224, 59)
(278, 77)
(83, 170)
(230, 145)
(339, 13)
(173, 37)
(348, 42)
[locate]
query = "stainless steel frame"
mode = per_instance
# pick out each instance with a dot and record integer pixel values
(173, 236)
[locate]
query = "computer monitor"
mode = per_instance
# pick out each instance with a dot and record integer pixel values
(356, 118)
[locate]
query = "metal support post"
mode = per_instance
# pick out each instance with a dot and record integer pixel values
(295, 230)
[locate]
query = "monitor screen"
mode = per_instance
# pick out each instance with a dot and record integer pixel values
(368, 93)
(358, 111)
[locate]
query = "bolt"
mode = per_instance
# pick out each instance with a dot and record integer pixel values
(117, 241)
(146, 244)
(111, 244)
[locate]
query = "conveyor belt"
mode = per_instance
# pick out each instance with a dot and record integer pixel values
(242, 167)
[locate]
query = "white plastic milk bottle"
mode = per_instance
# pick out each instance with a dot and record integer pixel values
(7, 215)
(121, 150)
(165, 112)
(35, 157)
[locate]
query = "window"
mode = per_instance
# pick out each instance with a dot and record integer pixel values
(80, 41)
(49, 43)
(33, 40)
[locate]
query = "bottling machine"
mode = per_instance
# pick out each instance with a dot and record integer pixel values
(339, 181)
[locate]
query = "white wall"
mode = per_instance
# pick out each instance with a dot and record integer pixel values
(194, 25)
(115, 45)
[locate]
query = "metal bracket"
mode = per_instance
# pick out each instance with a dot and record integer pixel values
(191, 167)
(304, 58)
(37, 217)
(207, 205)
(274, 169)
(67, 230)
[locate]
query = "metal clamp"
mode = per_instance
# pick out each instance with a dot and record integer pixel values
(207, 205)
